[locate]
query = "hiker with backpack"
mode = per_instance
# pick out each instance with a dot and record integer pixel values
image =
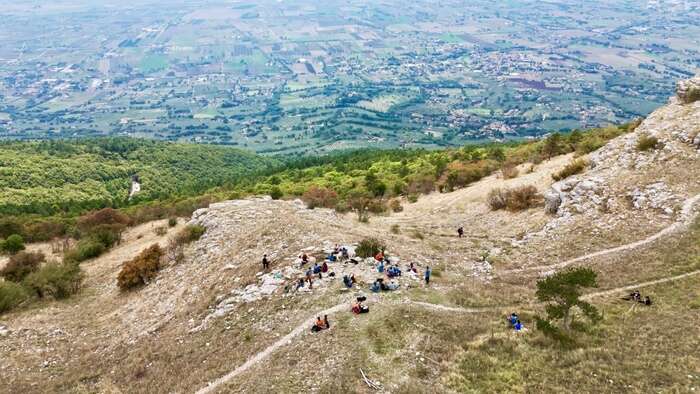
(427, 274)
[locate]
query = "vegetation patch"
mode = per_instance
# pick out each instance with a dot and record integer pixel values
(13, 244)
(189, 234)
(11, 295)
(515, 199)
(575, 167)
(57, 280)
(21, 265)
(646, 142)
(142, 269)
(370, 247)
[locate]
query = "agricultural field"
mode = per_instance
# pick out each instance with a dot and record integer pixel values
(309, 77)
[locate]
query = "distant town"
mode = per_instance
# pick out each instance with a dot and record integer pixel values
(310, 76)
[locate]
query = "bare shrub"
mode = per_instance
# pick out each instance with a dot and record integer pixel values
(497, 199)
(509, 171)
(516, 199)
(320, 197)
(395, 205)
(142, 269)
(21, 265)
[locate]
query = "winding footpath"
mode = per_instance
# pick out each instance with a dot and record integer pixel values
(287, 339)
(686, 219)
(270, 349)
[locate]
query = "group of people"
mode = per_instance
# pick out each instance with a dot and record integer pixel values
(637, 296)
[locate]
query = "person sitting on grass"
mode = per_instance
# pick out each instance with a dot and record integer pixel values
(647, 301)
(324, 267)
(512, 319)
(518, 326)
(358, 308)
(331, 258)
(380, 267)
(376, 287)
(347, 281)
(319, 325)
(344, 253)
(379, 256)
(317, 268)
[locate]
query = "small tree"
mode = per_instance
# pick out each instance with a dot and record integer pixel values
(369, 247)
(562, 293)
(276, 193)
(552, 145)
(13, 244)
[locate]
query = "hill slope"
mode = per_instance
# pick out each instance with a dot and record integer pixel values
(225, 326)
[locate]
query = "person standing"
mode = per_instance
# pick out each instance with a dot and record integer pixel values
(265, 263)
(428, 272)
(460, 231)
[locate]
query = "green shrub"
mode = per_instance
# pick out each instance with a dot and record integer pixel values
(21, 265)
(9, 227)
(142, 269)
(160, 231)
(107, 235)
(412, 198)
(575, 167)
(172, 222)
(189, 234)
(11, 295)
(417, 235)
(647, 142)
(276, 193)
(395, 229)
(85, 249)
(13, 244)
(369, 247)
(55, 280)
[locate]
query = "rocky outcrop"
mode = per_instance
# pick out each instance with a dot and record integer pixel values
(688, 90)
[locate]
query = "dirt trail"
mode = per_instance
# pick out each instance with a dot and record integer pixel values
(686, 218)
(306, 325)
(640, 285)
(457, 309)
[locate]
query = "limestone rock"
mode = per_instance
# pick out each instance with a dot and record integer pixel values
(688, 90)
(552, 201)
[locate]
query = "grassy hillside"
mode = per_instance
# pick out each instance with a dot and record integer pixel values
(73, 176)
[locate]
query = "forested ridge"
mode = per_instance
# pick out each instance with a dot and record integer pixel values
(67, 178)
(50, 177)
